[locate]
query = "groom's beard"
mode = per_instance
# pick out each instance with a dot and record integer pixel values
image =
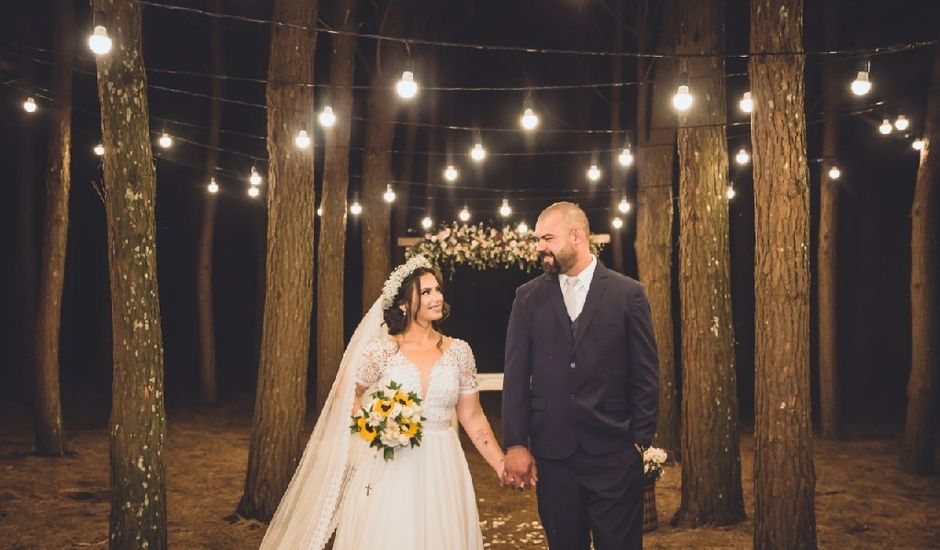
(552, 267)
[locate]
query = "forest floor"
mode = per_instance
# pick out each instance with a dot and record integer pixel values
(862, 499)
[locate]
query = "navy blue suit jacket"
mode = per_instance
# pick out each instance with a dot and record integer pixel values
(598, 387)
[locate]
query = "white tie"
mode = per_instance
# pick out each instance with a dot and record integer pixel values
(571, 298)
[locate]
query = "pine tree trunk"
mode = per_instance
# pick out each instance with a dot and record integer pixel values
(917, 448)
(655, 156)
(784, 478)
(332, 245)
(280, 400)
(711, 459)
(50, 433)
(207, 370)
(138, 417)
(826, 254)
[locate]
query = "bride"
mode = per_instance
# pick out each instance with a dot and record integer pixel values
(422, 498)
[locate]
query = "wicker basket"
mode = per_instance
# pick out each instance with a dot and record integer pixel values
(650, 519)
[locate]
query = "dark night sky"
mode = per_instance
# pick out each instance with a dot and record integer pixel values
(878, 176)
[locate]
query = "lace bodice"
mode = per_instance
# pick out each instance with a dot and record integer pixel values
(453, 374)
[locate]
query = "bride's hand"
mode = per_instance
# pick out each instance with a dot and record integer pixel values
(500, 469)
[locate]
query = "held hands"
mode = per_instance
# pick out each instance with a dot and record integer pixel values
(519, 470)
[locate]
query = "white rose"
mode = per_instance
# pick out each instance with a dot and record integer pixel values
(403, 441)
(388, 393)
(407, 412)
(375, 419)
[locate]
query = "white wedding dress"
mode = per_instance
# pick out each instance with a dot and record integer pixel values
(423, 499)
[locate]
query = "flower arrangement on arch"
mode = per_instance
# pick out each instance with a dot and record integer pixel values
(390, 419)
(653, 460)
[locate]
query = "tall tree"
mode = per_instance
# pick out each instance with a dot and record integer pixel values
(711, 458)
(826, 253)
(784, 478)
(207, 369)
(280, 399)
(917, 449)
(656, 144)
(332, 245)
(50, 433)
(138, 417)
(377, 159)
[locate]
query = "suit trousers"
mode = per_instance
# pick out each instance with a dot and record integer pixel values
(587, 495)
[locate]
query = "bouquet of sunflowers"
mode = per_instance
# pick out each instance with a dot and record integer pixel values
(389, 419)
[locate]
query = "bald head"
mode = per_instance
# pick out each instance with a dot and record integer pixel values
(570, 213)
(563, 238)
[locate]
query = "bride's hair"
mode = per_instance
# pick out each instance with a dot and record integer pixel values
(398, 320)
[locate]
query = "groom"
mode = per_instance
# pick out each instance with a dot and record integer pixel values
(580, 390)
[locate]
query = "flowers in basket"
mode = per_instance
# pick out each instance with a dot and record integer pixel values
(389, 419)
(653, 460)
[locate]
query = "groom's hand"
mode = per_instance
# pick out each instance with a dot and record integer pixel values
(520, 471)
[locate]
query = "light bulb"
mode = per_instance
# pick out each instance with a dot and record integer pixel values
(594, 173)
(213, 186)
(617, 223)
(746, 104)
(407, 88)
(478, 153)
(885, 127)
(730, 193)
(682, 101)
(99, 150)
(464, 214)
(255, 177)
(505, 210)
(450, 174)
(626, 157)
(355, 208)
(253, 191)
(327, 118)
(624, 206)
(427, 222)
(319, 211)
(389, 195)
(302, 140)
(529, 119)
(901, 123)
(861, 85)
(29, 105)
(165, 141)
(99, 41)
(522, 228)
(742, 157)
(918, 144)
(835, 173)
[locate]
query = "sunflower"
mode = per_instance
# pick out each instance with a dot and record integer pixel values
(408, 427)
(383, 407)
(366, 431)
(401, 397)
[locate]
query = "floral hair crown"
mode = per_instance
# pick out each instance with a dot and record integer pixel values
(398, 276)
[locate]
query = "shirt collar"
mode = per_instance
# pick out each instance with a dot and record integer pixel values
(586, 275)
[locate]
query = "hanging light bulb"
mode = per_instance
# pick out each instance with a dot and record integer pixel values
(253, 191)
(451, 173)
(901, 123)
(99, 41)
(730, 192)
(29, 105)
(529, 119)
(617, 223)
(99, 150)
(682, 101)
(407, 88)
(464, 214)
(255, 177)
(742, 157)
(427, 222)
(505, 210)
(624, 205)
(835, 173)
(522, 228)
(302, 140)
(319, 211)
(165, 141)
(478, 153)
(861, 85)
(213, 186)
(355, 208)
(327, 118)
(885, 127)
(918, 144)
(389, 195)
(594, 173)
(746, 104)
(626, 157)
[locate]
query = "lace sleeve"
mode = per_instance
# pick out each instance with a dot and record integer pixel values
(468, 367)
(374, 358)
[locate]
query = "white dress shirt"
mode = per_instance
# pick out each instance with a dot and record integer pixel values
(581, 287)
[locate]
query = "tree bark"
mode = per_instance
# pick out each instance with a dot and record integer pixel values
(332, 245)
(654, 246)
(711, 459)
(917, 448)
(207, 370)
(281, 402)
(784, 478)
(826, 253)
(138, 417)
(50, 433)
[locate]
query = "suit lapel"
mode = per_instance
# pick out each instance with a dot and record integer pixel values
(558, 302)
(594, 297)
